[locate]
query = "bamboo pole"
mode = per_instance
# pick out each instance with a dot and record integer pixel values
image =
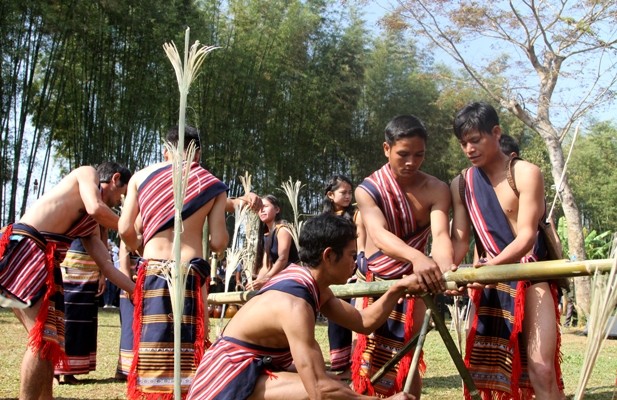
(416, 354)
(541, 270)
(440, 325)
(186, 69)
(396, 358)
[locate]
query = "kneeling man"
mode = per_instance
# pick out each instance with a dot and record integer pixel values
(253, 357)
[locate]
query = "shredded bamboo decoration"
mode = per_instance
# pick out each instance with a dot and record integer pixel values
(185, 73)
(251, 232)
(541, 270)
(292, 190)
(603, 303)
(457, 321)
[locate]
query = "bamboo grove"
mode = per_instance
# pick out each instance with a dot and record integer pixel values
(298, 89)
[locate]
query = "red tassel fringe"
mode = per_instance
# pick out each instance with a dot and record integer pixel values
(200, 321)
(405, 363)
(519, 316)
(47, 350)
(132, 391)
(558, 356)
(474, 297)
(361, 383)
(6, 237)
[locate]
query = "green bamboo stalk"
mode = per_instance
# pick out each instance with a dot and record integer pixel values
(541, 270)
(178, 275)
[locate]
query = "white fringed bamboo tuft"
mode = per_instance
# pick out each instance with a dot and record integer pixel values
(603, 303)
(251, 232)
(457, 321)
(292, 190)
(185, 73)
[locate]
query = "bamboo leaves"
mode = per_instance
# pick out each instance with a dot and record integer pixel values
(292, 190)
(603, 303)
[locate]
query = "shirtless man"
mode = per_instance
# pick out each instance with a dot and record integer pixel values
(252, 358)
(506, 227)
(147, 221)
(400, 207)
(32, 249)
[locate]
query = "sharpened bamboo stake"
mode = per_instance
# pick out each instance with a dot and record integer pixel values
(541, 270)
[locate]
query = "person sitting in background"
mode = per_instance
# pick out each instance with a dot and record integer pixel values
(337, 200)
(276, 249)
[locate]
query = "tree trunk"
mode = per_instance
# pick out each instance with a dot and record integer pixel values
(572, 214)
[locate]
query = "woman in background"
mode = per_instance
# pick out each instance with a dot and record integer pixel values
(276, 248)
(338, 197)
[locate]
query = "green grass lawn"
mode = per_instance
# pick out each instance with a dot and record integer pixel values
(441, 381)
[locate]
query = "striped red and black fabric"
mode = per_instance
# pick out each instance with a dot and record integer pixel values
(230, 369)
(494, 356)
(374, 350)
(156, 197)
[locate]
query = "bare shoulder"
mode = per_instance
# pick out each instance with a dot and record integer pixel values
(82, 172)
(525, 172)
(435, 185)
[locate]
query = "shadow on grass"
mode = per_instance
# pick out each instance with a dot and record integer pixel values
(442, 382)
(454, 382)
(92, 381)
(599, 393)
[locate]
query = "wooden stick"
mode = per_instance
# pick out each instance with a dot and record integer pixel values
(451, 347)
(541, 270)
(397, 357)
(416, 354)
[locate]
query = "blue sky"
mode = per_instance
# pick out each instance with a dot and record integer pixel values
(374, 10)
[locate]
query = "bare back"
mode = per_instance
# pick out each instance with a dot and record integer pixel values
(57, 210)
(160, 245)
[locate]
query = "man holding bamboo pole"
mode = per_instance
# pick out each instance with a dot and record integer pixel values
(253, 357)
(401, 207)
(513, 345)
(150, 203)
(31, 251)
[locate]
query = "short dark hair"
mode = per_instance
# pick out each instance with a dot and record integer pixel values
(475, 116)
(509, 145)
(191, 134)
(404, 126)
(107, 170)
(321, 232)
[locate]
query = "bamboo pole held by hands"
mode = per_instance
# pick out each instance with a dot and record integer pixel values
(537, 271)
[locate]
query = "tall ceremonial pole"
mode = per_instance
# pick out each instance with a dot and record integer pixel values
(186, 70)
(537, 271)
